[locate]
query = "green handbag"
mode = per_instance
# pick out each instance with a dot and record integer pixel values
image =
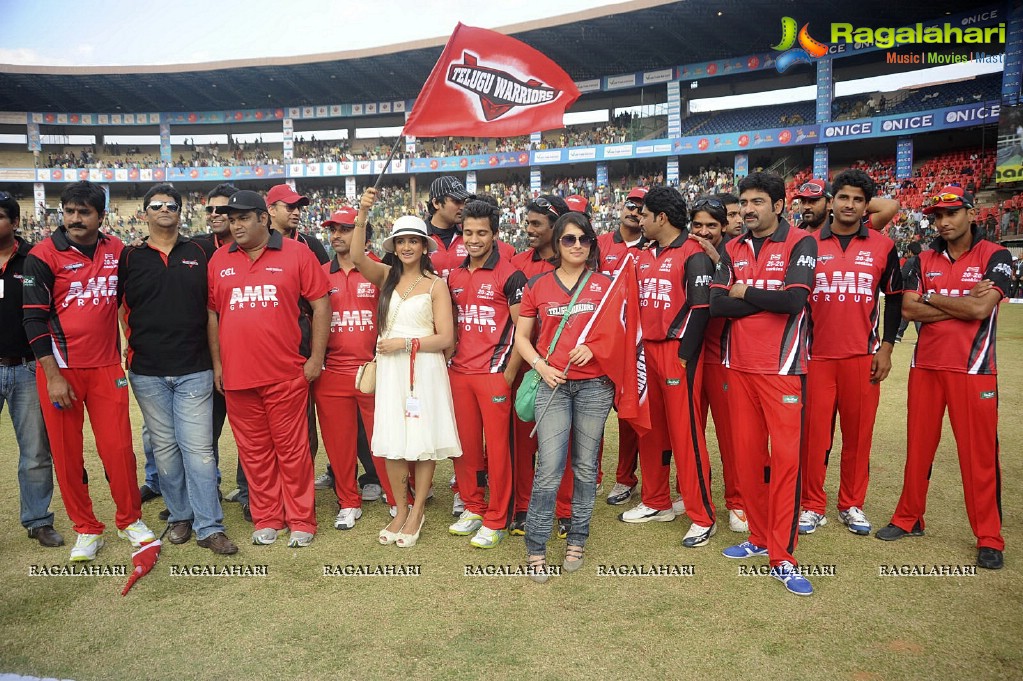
(525, 396)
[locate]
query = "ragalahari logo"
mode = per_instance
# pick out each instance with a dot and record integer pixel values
(499, 91)
(808, 50)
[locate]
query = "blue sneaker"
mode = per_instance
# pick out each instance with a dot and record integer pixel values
(788, 574)
(809, 521)
(746, 549)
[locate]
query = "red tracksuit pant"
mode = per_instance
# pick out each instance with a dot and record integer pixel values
(525, 448)
(972, 402)
(767, 406)
(339, 403)
(843, 385)
(674, 393)
(628, 454)
(272, 433)
(715, 399)
(483, 403)
(104, 392)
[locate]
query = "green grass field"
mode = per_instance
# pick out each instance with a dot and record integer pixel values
(297, 623)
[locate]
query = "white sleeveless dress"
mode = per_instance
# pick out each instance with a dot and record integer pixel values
(433, 435)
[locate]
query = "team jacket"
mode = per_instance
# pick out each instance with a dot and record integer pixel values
(673, 281)
(353, 312)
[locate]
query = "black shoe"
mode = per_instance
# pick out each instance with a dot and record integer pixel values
(165, 514)
(564, 527)
(49, 537)
(893, 532)
(989, 558)
(518, 526)
(246, 513)
(148, 494)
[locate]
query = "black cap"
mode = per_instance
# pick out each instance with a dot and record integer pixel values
(245, 200)
(447, 185)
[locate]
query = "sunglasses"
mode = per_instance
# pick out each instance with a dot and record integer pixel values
(813, 188)
(169, 205)
(546, 206)
(632, 205)
(216, 210)
(949, 197)
(291, 207)
(4, 196)
(584, 240)
(713, 203)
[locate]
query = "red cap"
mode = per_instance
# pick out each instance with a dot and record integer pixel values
(638, 193)
(577, 203)
(344, 216)
(283, 192)
(950, 196)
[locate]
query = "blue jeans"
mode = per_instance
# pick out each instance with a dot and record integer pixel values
(579, 408)
(179, 417)
(152, 473)
(35, 465)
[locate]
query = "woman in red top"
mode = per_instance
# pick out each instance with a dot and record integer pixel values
(575, 391)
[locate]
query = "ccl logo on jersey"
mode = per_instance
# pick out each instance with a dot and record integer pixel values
(365, 290)
(485, 292)
(351, 320)
(109, 261)
(253, 297)
(865, 259)
(229, 272)
(93, 291)
(655, 293)
(775, 263)
(972, 275)
(480, 316)
(665, 266)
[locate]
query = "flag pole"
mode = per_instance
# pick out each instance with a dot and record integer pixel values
(390, 157)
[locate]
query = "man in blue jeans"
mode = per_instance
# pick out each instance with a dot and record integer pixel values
(18, 385)
(162, 289)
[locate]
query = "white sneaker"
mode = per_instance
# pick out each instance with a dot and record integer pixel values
(645, 514)
(137, 533)
(457, 505)
(619, 494)
(325, 481)
(371, 492)
(678, 506)
(265, 536)
(809, 521)
(856, 520)
(346, 518)
(737, 521)
(86, 547)
(468, 523)
(698, 535)
(487, 538)
(300, 539)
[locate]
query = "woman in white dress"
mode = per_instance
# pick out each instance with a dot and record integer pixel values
(415, 419)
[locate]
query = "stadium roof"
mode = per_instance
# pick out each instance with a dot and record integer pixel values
(633, 36)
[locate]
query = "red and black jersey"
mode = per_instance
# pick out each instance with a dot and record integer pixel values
(955, 344)
(447, 258)
(530, 263)
(76, 296)
(769, 342)
(13, 341)
(258, 305)
(846, 298)
(673, 281)
(164, 299)
(353, 323)
(483, 298)
(545, 299)
(613, 249)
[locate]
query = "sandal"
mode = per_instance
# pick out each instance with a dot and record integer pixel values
(573, 558)
(536, 568)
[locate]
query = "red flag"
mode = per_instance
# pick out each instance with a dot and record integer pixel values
(615, 337)
(144, 559)
(486, 84)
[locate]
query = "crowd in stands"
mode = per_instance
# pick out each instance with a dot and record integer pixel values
(930, 97)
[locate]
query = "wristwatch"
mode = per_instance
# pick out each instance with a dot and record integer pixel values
(926, 298)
